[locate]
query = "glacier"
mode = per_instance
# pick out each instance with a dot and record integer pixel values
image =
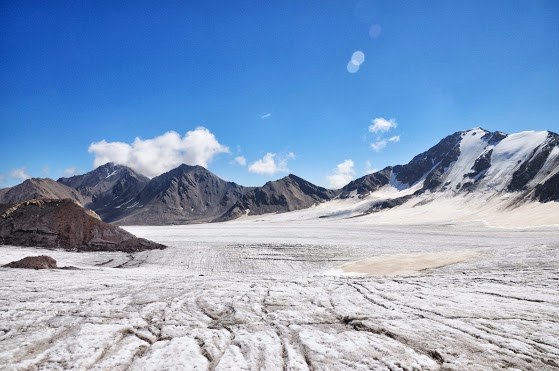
(270, 293)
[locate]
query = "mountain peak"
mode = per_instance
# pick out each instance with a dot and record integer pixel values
(190, 168)
(477, 128)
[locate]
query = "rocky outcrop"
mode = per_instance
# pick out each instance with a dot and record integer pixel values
(549, 190)
(65, 224)
(37, 262)
(369, 183)
(39, 188)
(34, 262)
(534, 164)
(445, 151)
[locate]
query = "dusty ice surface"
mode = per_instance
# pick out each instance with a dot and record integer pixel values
(252, 294)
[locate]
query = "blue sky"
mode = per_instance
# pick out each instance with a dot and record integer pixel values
(268, 81)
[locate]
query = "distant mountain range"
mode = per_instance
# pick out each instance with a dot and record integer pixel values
(525, 165)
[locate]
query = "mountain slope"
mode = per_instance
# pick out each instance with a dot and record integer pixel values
(38, 188)
(107, 187)
(186, 194)
(525, 165)
(287, 194)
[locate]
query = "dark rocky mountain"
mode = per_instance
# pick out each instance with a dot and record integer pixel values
(367, 184)
(39, 188)
(487, 163)
(287, 194)
(187, 194)
(106, 188)
(191, 194)
(64, 224)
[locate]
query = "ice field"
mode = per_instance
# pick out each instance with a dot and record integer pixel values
(277, 294)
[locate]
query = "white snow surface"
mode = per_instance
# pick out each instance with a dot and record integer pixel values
(509, 154)
(253, 294)
(471, 148)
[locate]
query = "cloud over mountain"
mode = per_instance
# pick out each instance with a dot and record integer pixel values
(342, 174)
(20, 173)
(155, 156)
(271, 163)
(379, 126)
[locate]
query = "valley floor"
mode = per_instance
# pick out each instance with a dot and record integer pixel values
(273, 295)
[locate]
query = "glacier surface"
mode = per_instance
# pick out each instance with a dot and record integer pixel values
(263, 293)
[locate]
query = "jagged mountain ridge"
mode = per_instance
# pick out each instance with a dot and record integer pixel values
(192, 194)
(475, 160)
(106, 188)
(283, 195)
(186, 194)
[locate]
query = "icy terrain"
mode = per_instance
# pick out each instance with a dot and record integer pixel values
(274, 294)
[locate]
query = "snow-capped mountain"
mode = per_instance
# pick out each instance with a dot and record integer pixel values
(520, 167)
(473, 161)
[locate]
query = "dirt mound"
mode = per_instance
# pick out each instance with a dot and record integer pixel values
(65, 224)
(34, 262)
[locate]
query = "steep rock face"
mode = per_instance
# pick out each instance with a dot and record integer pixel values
(64, 224)
(367, 184)
(106, 188)
(444, 152)
(39, 188)
(186, 194)
(548, 190)
(287, 194)
(529, 169)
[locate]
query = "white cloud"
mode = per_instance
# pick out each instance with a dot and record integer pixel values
(266, 116)
(46, 170)
(369, 169)
(342, 174)
(379, 145)
(2, 178)
(153, 157)
(70, 171)
(382, 125)
(20, 174)
(271, 163)
(241, 160)
(394, 139)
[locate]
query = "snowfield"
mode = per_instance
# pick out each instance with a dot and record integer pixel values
(270, 293)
